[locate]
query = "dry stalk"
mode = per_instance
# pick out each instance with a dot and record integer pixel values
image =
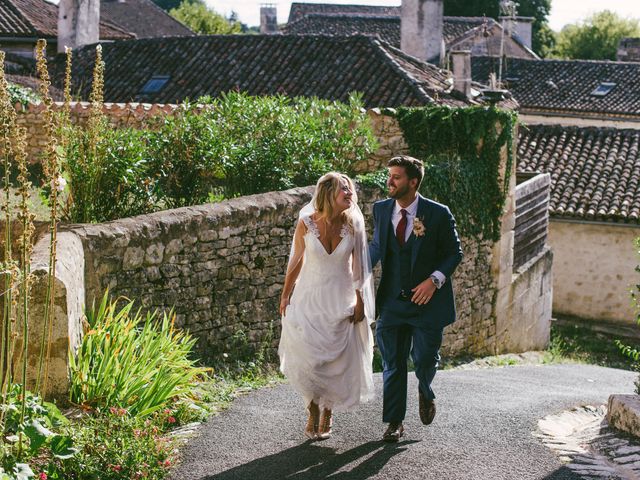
(52, 176)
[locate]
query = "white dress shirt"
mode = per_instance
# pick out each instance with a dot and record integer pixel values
(412, 211)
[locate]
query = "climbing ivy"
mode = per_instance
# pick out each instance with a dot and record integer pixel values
(460, 148)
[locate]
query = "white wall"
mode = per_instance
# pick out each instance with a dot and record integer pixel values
(593, 270)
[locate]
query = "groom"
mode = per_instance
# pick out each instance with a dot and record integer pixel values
(417, 243)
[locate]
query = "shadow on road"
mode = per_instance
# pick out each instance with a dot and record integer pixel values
(311, 461)
(563, 473)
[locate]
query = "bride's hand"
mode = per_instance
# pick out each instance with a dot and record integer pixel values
(358, 312)
(284, 303)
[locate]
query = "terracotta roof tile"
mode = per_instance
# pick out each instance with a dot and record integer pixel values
(142, 18)
(322, 66)
(299, 10)
(595, 172)
(567, 85)
(39, 18)
(386, 27)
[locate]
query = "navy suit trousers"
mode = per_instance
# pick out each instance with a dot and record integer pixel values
(396, 342)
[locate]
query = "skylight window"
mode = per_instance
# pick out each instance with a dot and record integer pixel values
(603, 89)
(155, 84)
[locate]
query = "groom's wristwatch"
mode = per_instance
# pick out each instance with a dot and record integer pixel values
(436, 281)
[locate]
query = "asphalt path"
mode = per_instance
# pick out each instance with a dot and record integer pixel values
(483, 430)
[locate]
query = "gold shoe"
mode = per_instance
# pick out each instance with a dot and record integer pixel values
(326, 423)
(311, 430)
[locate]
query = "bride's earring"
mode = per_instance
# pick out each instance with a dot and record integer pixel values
(311, 430)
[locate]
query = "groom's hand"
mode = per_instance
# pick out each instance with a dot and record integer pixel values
(423, 292)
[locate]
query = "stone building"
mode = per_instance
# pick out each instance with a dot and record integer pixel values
(582, 126)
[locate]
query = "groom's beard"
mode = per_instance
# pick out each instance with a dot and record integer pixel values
(399, 192)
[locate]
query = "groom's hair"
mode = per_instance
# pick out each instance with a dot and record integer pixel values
(412, 166)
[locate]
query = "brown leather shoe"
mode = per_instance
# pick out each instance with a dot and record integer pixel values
(393, 433)
(427, 408)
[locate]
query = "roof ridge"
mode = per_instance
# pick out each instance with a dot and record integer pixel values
(567, 60)
(384, 48)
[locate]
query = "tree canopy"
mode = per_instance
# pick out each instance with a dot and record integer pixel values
(543, 38)
(597, 37)
(203, 20)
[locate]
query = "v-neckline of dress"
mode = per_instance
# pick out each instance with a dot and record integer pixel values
(315, 232)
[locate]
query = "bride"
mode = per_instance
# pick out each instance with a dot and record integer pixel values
(326, 346)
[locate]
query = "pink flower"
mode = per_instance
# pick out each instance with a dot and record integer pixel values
(42, 476)
(171, 419)
(116, 468)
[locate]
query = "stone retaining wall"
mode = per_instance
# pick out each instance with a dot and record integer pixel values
(221, 268)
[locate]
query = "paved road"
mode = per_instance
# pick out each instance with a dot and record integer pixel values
(483, 430)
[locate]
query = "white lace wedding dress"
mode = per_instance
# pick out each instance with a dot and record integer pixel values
(323, 355)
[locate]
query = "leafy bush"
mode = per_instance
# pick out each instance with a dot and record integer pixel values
(23, 95)
(229, 146)
(25, 437)
(275, 143)
(185, 156)
(114, 445)
(131, 361)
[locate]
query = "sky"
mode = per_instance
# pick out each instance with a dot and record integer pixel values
(562, 11)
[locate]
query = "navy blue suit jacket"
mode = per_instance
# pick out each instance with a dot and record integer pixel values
(438, 249)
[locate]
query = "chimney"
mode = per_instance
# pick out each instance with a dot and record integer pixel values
(78, 23)
(519, 26)
(461, 61)
(268, 18)
(421, 28)
(629, 50)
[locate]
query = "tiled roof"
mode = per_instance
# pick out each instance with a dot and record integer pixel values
(322, 66)
(386, 27)
(39, 18)
(566, 86)
(595, 172)
(142, 18)
(300, 10)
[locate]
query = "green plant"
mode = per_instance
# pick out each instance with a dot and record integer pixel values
(462, 150)
(23, 95)
(115, 445)
(185, 156)
(131, 361)
(275, 143)
(29, 435)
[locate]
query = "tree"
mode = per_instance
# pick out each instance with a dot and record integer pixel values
(597, 37)
(201, 19)
(543, 38)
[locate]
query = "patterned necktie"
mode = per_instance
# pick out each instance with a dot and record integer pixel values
(402, 227)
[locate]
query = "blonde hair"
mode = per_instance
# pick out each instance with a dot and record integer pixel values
(327, 190)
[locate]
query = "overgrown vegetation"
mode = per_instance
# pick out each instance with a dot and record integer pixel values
(219, 148)
(461, 149)
(132, 361)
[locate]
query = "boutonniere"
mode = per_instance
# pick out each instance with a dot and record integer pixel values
(418, 227)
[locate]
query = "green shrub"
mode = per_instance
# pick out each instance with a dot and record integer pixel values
(29, 438)
(131, 361)
(114, 445)
(185, 156)
(226, 147)
(275, 143)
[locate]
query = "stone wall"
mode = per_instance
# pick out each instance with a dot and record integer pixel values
(135, 115)
(221, 268)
